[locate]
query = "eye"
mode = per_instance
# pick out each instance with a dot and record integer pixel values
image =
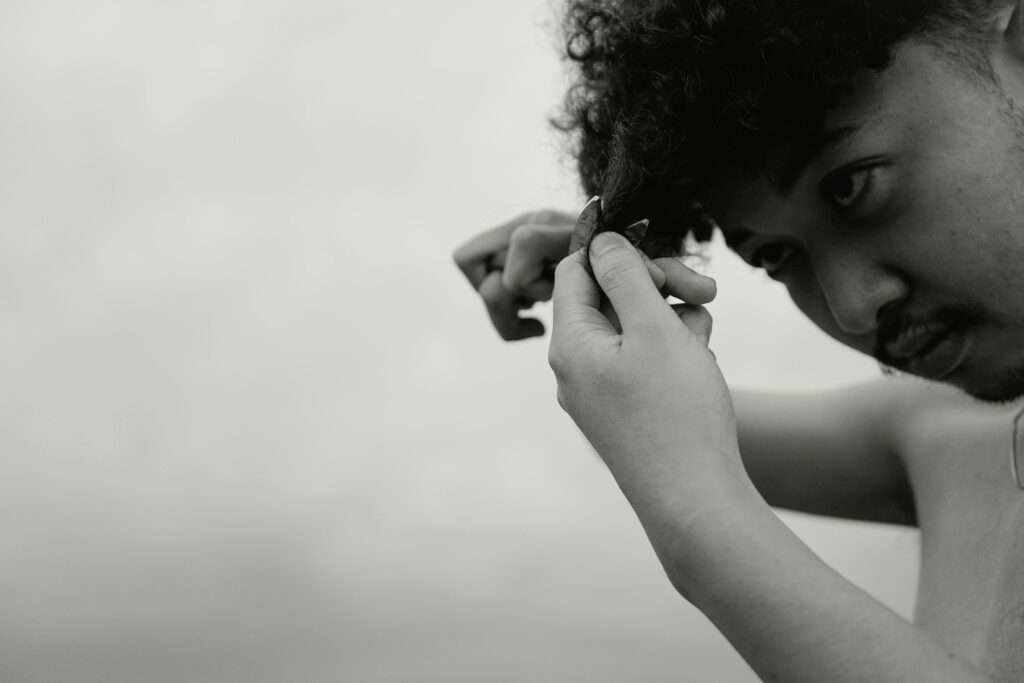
(845, 188)
(771, 257)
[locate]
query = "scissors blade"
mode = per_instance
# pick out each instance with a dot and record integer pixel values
(586, 224)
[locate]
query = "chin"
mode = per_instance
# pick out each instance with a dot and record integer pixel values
(999, 386)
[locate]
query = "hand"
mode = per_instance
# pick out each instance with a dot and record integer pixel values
(650, 398)
(511, 266)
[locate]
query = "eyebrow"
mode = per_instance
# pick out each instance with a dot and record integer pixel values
(804, 155)
(793, 168)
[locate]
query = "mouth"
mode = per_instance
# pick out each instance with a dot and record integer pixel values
(929, 352)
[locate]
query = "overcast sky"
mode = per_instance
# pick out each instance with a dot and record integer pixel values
(254, 426)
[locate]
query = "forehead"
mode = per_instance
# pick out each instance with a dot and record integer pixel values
(896, 108)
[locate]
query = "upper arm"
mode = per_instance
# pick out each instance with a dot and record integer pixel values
(833, 453)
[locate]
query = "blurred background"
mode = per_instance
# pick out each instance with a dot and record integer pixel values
(254, 425)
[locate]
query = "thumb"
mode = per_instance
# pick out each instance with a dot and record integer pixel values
(626, 281)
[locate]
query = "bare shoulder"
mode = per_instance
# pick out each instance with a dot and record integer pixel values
(950, 443)
(910, 410)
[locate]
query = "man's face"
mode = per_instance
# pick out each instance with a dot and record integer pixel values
(904, 237)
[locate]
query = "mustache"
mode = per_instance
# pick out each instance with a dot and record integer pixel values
(894, 324)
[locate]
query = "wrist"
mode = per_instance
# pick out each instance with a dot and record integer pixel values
(718, 518)
(704, 480)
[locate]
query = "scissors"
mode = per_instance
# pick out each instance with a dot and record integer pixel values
(591, 222)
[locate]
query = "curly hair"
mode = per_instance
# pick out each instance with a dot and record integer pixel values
(667, 91)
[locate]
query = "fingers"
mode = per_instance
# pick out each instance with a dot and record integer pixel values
(474, 257)
(532, 248)
(511, 267)
(697, 320)
(577, 300)
(610, 320)
(488, 250)
(684, 283)
(658, 276)
(626, 280)
(541, 290)
(503, 306)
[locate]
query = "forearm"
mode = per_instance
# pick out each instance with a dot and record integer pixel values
(651, 399)
(789, 615)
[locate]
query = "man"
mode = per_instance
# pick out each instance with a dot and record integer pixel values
(870, 156)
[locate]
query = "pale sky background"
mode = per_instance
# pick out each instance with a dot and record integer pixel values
(254, 425)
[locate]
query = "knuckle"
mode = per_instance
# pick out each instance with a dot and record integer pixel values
(521, 220)
(492, 298)
(547, 217)
(555, 358)
(524, 235)
(491, 291)
(513, 283)
(460, 258)
(566, 264)
(557, 363)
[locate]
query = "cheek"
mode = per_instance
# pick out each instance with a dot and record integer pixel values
(965, 242)
(967, 206)
(806, 293)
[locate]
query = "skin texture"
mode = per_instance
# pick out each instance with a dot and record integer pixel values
(511, 267)
(915, 216)
(655, 407)
(930, 220)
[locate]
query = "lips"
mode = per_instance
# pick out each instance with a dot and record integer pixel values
(931, 352)
(913, 340)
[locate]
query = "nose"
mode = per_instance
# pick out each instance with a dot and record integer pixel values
(856, 290)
